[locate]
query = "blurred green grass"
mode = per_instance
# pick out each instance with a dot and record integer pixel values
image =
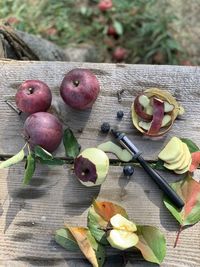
(142, 29)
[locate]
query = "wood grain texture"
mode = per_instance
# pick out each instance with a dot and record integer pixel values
(30, 215)
(182, 82)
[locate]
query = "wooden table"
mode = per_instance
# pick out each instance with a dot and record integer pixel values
(30, 215)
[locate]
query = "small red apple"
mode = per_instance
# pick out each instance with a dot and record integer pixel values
(120, 54)
(105, 5)
(33, 96)
(43, 129)
(79, 88)
(112, 31)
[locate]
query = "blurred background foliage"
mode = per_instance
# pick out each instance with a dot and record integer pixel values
(131, 31)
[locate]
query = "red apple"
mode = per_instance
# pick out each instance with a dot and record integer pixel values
(120, 54)
(33, 96)
(105, 5)
(112, 31)
(79, 88)
(43, 129)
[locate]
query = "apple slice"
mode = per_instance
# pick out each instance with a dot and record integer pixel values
(121, 239)
(168, 107)
(122, 154)
(158, 114)
(146, 125)
(187, 157)
(185, 169)
(179, 157)
(172, 150)
(121, 223)
(141, 101)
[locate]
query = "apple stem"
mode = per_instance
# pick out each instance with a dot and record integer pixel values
(13, 107)
(178, 234)
(76, 83)
(30, 90)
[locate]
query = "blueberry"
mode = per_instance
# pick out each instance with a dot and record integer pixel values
(120, 114)
(128, 170)
(105, 127)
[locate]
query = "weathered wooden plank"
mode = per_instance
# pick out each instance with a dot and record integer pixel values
(31, 214)
(182, 82)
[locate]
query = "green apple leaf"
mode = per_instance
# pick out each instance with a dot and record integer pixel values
(65, 239)
(99, 216)
(191, 145)
(118, 27)
(13, 160)
(29, 169)
(72, 147)
(152, 243)
(92, 250)
(42, 153)
(159, 165)
(53, 161)
(189, 190)
(97, 224)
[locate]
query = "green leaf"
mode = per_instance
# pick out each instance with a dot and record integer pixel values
(42, 153)
(92, 250)
(160, 165)
(53, 161)
(118, 27)
(191, 145)
(99, 216)
(30, 168)
(65, 239)
(97, 224)
(189, 190)
(152, 243)
(13, 160)
(71, 145)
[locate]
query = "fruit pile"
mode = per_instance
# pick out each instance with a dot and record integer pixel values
(176, 156)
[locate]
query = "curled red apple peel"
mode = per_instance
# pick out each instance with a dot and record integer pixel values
(140, 110)
(158, 114)
(166, 97)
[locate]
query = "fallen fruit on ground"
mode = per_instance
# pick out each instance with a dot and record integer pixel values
(79, 88)
(33, 96)
(91, 166)
(154, 112)
(176, 156)
(43, 129)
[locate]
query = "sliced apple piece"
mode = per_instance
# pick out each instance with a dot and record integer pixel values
(144, 100)
(139, 108)
(146, 125)
(187, 157)
(179, 157)
(111, 147)
(168, 107)
(121, 239)
(121, 223)
(149, 110)
(172, 150)
(185, 169)
(176, 165)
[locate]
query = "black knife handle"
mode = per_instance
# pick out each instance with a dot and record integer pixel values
(162, 183)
